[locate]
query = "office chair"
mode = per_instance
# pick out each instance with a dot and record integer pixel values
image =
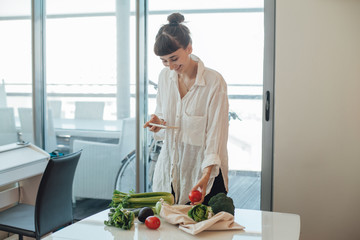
(3, 102)
(8, 133)
(89, 110)
(100, 162)
(53, 206)
(27, 131)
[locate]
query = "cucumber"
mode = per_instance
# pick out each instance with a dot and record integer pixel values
(134, 210)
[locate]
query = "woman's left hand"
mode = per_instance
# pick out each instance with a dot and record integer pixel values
(202, 184)
(154, 119)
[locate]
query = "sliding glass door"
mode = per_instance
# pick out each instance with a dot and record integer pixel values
(229, 37)
(91, 91)
(84, 76)
(15, 72)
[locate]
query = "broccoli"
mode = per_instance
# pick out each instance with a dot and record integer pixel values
(221, 202)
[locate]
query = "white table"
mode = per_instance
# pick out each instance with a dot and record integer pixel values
(23, 164)
(258, 225)
(88, 127)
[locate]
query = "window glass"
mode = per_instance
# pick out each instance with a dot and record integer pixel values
(90, 61)
(202, 5)
(15, 71)
(228, 36)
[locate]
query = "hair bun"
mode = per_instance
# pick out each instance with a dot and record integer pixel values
(175, 18)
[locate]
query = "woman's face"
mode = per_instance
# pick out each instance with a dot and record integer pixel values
(178, 60)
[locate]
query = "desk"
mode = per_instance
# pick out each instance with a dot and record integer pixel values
(258, 225)
(24, 164)
(84, 127)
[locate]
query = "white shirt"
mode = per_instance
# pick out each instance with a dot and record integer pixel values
(200, 140)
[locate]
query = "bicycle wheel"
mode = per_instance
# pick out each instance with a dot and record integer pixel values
(125, 179)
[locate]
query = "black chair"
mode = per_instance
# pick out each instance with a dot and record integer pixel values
(53, 207)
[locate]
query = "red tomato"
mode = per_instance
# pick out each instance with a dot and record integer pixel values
(195, 196)
(152, 222)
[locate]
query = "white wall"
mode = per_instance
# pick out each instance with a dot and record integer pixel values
(317, 116)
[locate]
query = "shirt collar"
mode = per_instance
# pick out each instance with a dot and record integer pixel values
(200, 81)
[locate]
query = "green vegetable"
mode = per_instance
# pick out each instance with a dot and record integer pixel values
(158, 207)
(221, 202)
(121, 218)
(134, 210)
(139, 200)
(200, 212)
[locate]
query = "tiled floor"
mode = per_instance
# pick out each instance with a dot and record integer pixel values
(87, 207)
(244, 189)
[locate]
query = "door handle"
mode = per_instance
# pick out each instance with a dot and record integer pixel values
(267, 106)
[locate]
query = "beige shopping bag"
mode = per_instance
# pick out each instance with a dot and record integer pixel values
(177, 214)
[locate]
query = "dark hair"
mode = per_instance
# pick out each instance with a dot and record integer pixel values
(172, 36)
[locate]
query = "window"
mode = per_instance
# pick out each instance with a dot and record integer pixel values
(91, 85)
(15, 72)
(228, 36)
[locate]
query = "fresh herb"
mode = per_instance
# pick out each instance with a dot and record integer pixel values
(120, 218)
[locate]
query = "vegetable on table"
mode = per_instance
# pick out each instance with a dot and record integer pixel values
(139, 200)
(218, 203)
(134, 210)
(200, 212)
(152, 222)
(120, 218)
(158, 206)
(144, 213)
(221, 202)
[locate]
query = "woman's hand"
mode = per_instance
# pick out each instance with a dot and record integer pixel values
(202, 184)
(154, 119)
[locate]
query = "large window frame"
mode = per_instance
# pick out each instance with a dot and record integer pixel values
(38, 8)
(266, 202)
(39, 92)
(38, 64)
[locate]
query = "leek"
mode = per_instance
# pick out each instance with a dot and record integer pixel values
(138, 200)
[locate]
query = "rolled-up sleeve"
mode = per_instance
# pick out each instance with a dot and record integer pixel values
(212, 160)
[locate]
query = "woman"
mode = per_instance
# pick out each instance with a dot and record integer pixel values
(193, 99)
